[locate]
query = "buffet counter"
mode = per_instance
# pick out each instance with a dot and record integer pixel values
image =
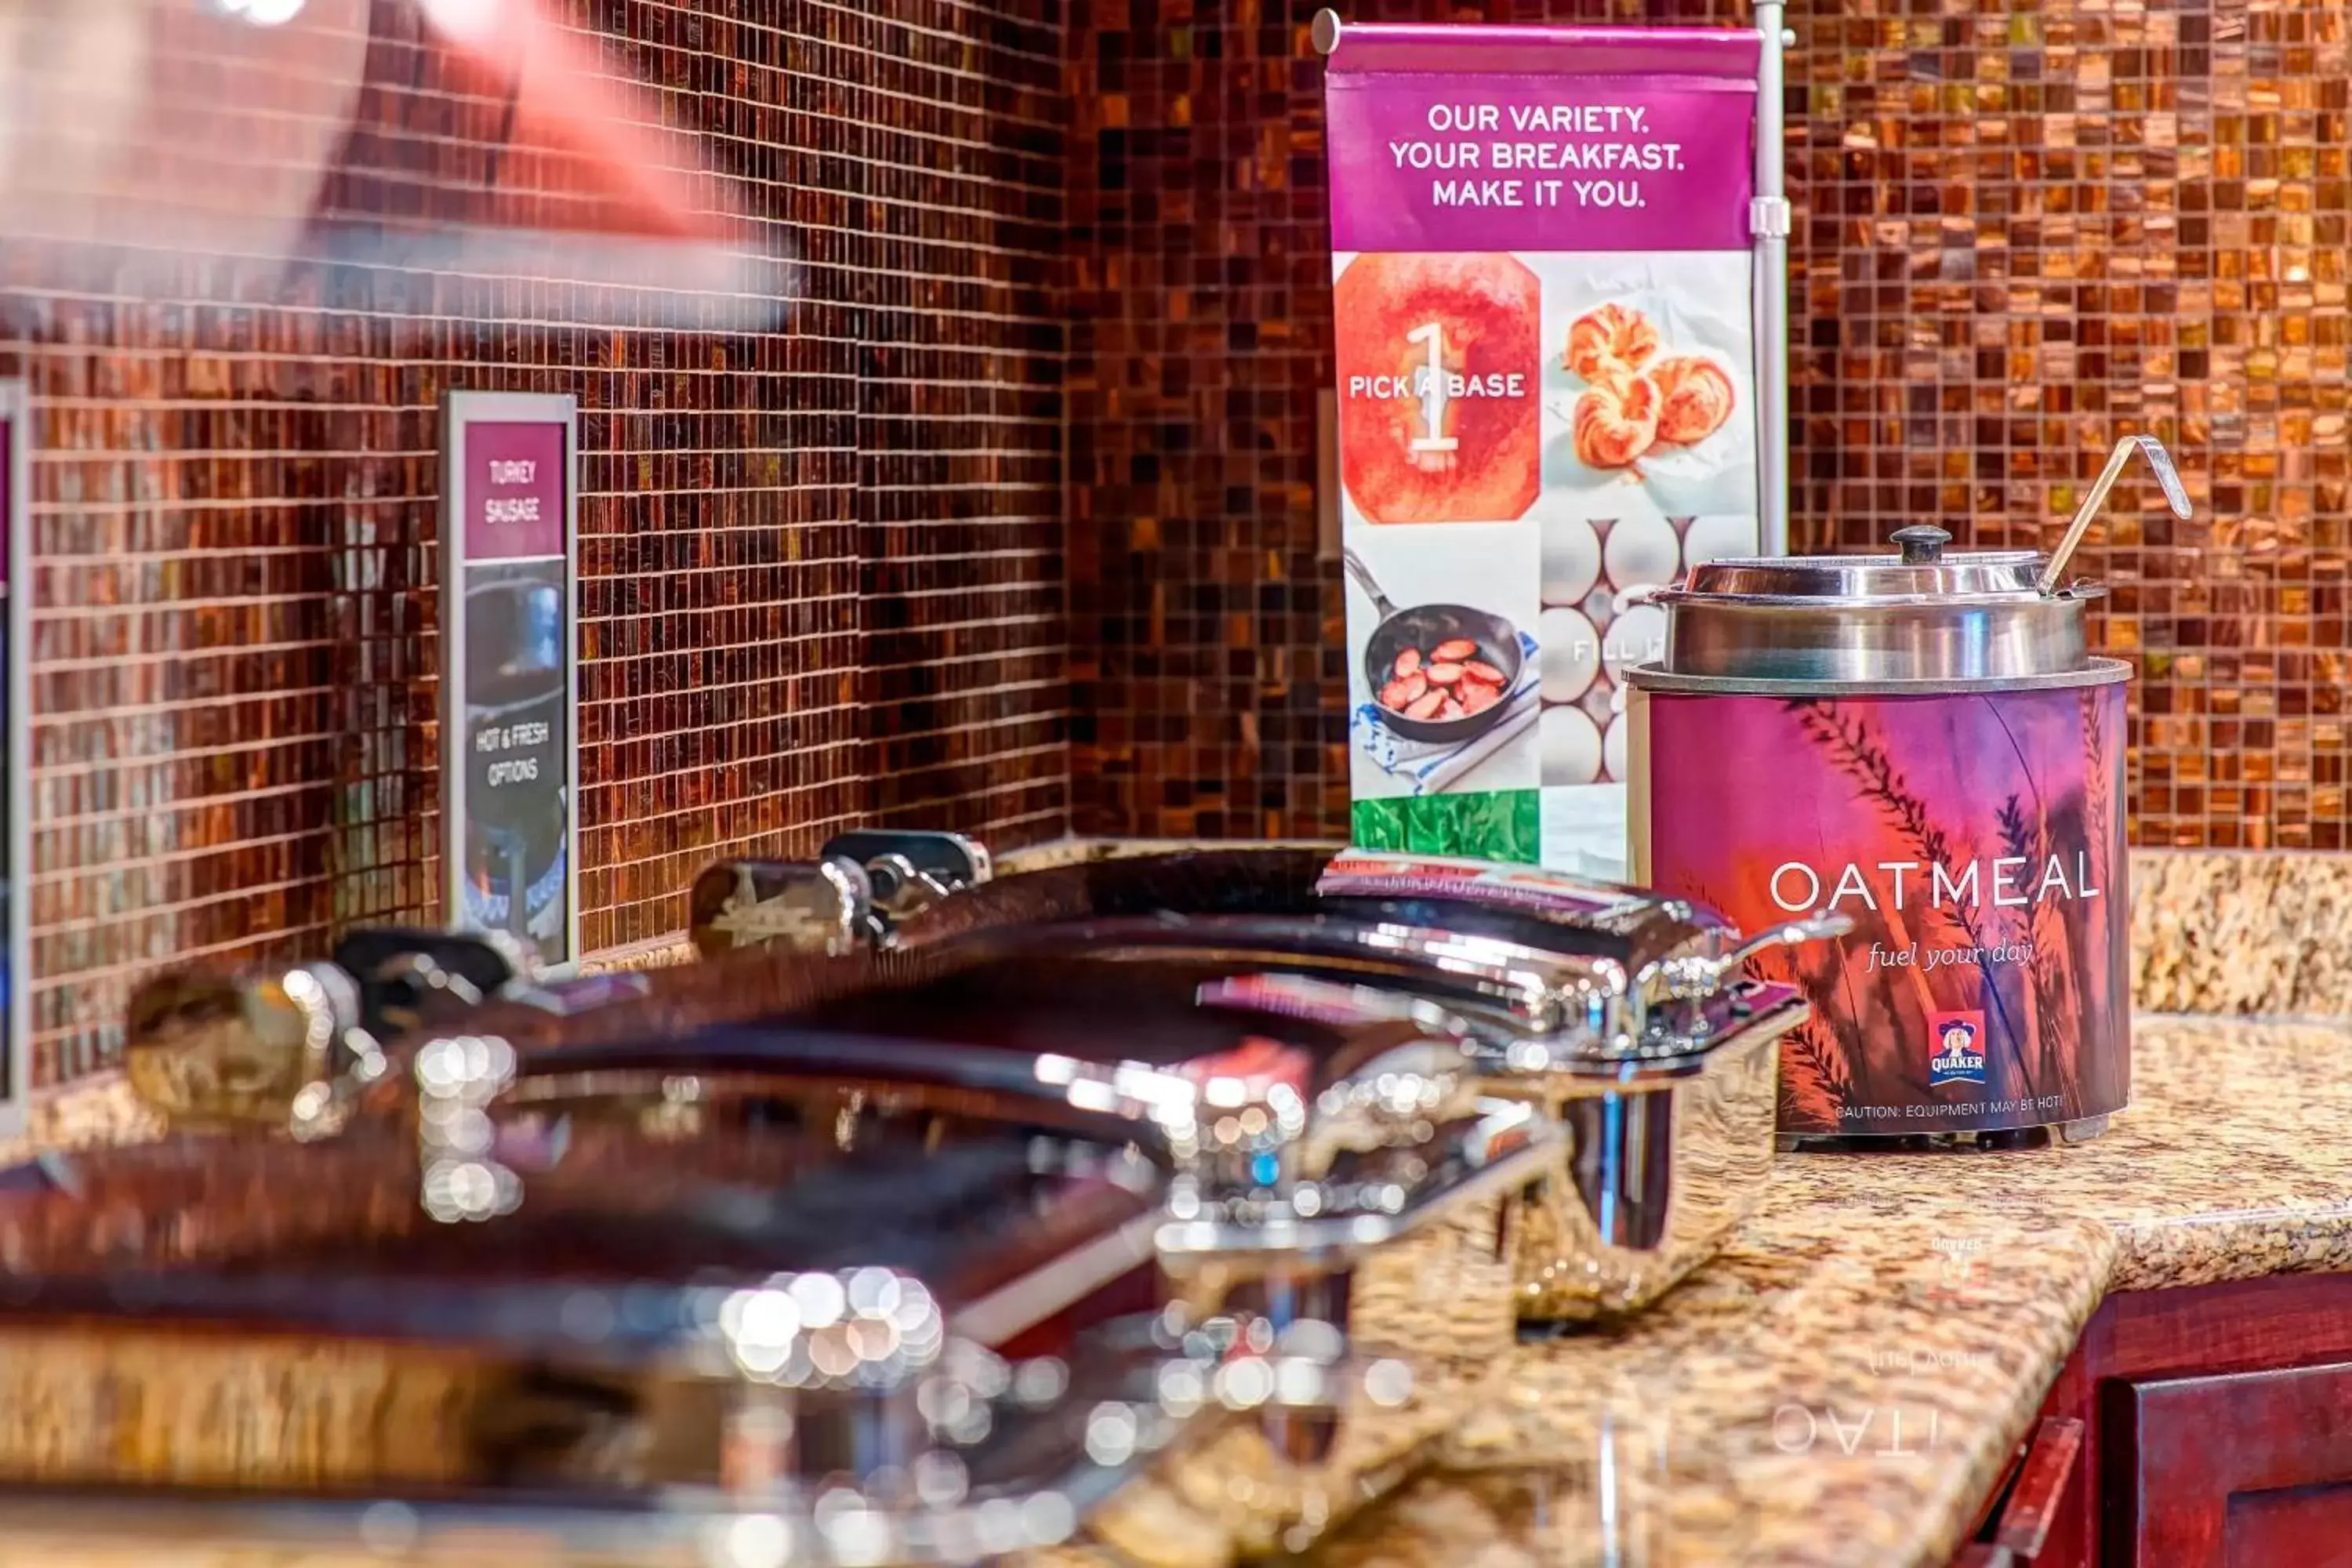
(1854, 1380)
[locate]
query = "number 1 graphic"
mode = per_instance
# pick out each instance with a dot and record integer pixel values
(1433, 391)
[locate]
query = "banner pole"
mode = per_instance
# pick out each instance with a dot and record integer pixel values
(1771, 222)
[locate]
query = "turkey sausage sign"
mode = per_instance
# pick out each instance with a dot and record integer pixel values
(510, 722)
(1545, 285)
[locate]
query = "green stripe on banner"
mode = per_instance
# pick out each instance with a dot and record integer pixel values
(1497, 825)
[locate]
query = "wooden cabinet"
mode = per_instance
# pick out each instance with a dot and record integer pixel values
(2249, 1470)
(2202, 1428)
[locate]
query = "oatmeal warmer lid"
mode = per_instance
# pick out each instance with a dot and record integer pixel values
(1922, 615)
(1925, 614)
(1924, 568)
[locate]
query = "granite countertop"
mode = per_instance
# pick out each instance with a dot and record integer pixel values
(1844, 1384)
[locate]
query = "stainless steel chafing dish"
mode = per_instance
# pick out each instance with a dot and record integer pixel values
(1618, 963)
(1624, 1014)
(856, 1297)
(1253, 1102)
(1664, 1146)
(1620, 1014)
(293, 1047)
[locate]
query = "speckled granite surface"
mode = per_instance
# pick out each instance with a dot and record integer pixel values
(1844, 1385)
(2267, 933)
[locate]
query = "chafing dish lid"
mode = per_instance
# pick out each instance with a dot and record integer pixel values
(1300, 1118)
(506, 1223)
(1536, 908)
(658, 1314)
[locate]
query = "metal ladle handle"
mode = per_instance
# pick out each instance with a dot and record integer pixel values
(2166, 475)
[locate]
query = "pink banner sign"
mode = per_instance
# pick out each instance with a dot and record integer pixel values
(1550, 400)
(1571, 139)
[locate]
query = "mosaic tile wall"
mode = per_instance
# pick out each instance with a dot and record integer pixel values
(2025, 229)
(823, 568)
(820, 568)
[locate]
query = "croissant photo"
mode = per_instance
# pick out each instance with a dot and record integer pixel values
(1639, 402)
(1614, 337)
(1695, 399)
(1617, 420)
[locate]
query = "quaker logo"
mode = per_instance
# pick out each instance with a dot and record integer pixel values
(1955, 1048)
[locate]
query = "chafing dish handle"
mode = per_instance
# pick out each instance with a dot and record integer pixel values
(810, 906)
(952, 860)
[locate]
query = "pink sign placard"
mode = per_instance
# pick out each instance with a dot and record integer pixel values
(514, 490)
(1496, 162)
(510, 690)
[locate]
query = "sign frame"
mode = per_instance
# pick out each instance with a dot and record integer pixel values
(461, 410)
(16, 738)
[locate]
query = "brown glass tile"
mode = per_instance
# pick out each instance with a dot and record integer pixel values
(821, 579)
(833, 574)
(2024, 232)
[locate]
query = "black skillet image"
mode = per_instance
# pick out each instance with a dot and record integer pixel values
(1437, 672)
